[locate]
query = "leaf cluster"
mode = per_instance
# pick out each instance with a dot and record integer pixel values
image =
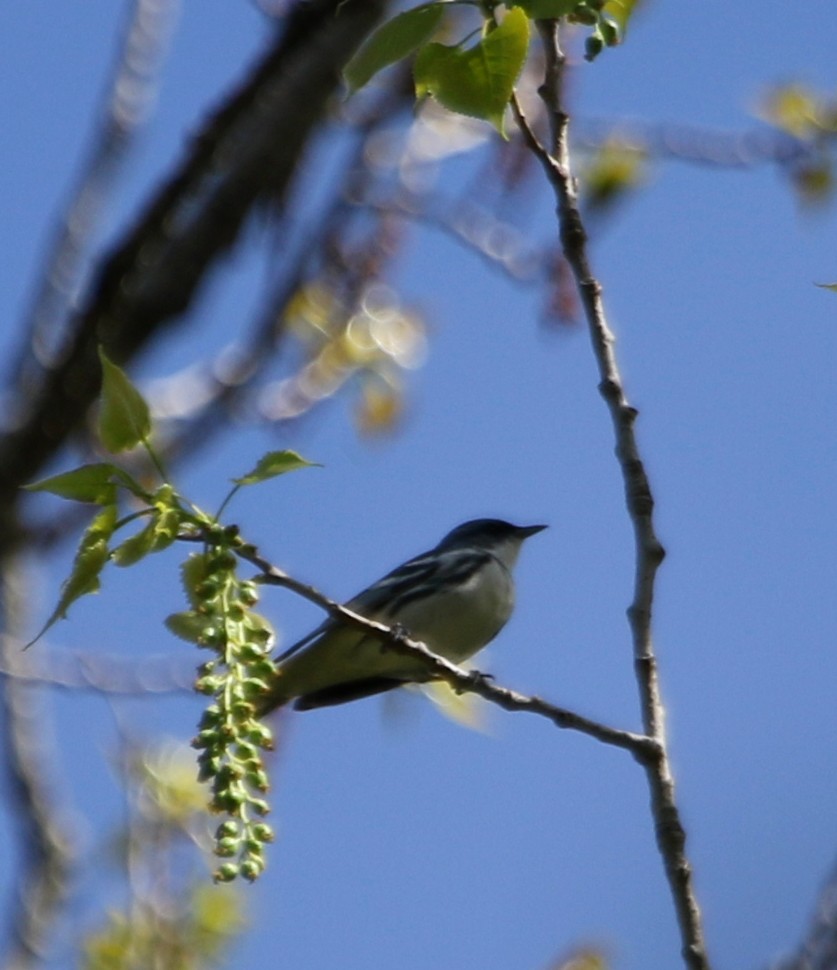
(220, 617)
(478, 80)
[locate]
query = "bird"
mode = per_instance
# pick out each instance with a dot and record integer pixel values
(454, 598)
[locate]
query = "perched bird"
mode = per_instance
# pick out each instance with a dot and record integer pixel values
(454, 598)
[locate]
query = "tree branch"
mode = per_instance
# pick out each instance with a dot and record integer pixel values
(470, 682)
(130, 94)
(649, 552)
(42, 884)
(101, 674)
(248, 151)
(818, 950)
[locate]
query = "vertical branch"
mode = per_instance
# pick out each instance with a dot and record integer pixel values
(649, 552)
(44, 867)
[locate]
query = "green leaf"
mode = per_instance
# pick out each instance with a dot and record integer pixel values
(89, 483)
(89, 561)
(159, 534)
(546, 9)
(827, 286)
(477, 82)
(166, 528)
(124, 419)
(189, 625)
(193, 571)
(275, 463)
(136, 547)
(391, 42)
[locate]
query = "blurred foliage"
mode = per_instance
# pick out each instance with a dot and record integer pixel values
(173, 919)
(811, 118)
(610, 172)
(370, 341)
(586, 958)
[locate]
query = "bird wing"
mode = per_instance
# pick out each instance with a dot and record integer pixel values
(349, 656)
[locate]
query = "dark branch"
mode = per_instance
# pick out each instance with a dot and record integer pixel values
(247, 151)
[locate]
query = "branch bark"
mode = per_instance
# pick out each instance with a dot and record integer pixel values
(649, 553)
(464, 681)
(247, 152)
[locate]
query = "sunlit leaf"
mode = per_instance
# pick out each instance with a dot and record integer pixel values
(392, 42)
(478, 81)
(89, 483)
(159, 534)
(272, 464)
(135, 548)
(124, 418)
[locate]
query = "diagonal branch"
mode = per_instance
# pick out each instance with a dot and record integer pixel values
(555, 159)
(130, 94)
(247, 152)
(471, 682)
(818, 949)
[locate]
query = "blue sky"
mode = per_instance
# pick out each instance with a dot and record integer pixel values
(403, 838)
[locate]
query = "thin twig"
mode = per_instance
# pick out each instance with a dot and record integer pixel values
(649, 552)
(79, 671)
(463, 681)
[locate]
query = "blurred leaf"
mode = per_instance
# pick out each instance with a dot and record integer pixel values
(479, 81)
(614, 170)
(167, 778)
(793, 108)
(584, 959)
(124, 418)
(275, 463)
(380, 408)
(191, 936)
(392, 42)
(467, 710)
(827, 286)
(218, 913)
(814, 180)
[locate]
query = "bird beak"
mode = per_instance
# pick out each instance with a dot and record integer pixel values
(530, 530)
